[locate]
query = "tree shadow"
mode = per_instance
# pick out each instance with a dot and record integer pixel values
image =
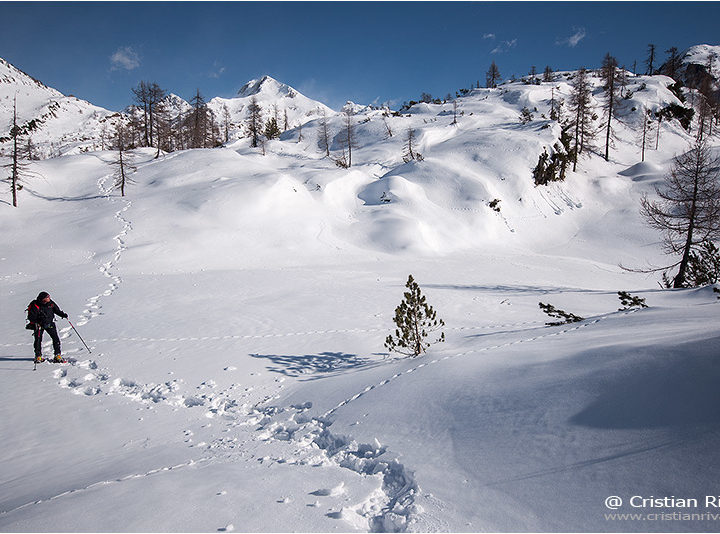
(65, 199)
(514, 289)
(321, 365)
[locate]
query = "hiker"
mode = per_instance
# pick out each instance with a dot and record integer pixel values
(41, 314)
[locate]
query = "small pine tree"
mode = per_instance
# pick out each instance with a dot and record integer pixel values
(272, 131)
(525, 116)
(554, 313)
(628, 301)
(415, 320)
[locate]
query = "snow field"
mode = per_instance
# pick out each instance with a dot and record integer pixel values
(236, 307)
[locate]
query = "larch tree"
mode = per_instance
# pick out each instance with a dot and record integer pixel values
(409, 153)
(579, 104)
(673, 64)
(254, 122)
(142, 99)
(226, 122)
(324, 134)
(123, 161)
(688, 210)
(611, 88)
(548, 74)
(492, 77)
(349, 139)
(650, 61)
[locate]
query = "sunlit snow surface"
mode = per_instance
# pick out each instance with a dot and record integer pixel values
(236, 306)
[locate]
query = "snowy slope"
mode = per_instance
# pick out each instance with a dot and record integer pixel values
(236, 306)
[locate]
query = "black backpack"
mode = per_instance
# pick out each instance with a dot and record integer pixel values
(31, 325)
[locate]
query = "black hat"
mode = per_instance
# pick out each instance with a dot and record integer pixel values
(43, 295)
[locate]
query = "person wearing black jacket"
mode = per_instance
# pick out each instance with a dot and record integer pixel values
(41, 314)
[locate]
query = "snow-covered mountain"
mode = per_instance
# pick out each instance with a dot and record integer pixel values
(56, 124)
(701, 64)
(277, 100)
(236, 302)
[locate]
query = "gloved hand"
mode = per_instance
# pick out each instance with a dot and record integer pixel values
(64, 315)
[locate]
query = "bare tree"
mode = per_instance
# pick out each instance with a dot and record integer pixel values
(649, 62)
(123, 162)
(409, 153)
(254, 122)
(582, 117)
(348, 140)
(163, 128)
(156, 95)
(673, 64)
(198, 121)
(227, 122)
(609, 73)
(387, 127)
(688, 211)
(547, 74)
(645, 130)
(324, 134)
(492, 77)
(142, 98)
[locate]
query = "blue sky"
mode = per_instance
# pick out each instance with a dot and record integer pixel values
(367, 52)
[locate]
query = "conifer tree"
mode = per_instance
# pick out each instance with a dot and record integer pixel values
(415, 320)
(15, 166)
(226, 121)
(254, 122)
(271, 129)
(688, 212)
(324, 134)
(650, 60)
(123, 162)
(547, 74)
(349, 140)
(409, 145)
(611, 76)
(492, 77)
(582, 116)
(673, 64)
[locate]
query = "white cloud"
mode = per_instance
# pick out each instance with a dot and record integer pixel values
(125, 58)
(504, 47)
(218, 70)
(489, 36)
(574, 39)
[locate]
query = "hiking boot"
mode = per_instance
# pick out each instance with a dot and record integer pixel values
(59, 359)
(39, 359)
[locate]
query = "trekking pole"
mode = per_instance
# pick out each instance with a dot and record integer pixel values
(78, 335)
(34, 337)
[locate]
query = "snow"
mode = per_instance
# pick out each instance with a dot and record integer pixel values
(236, 306)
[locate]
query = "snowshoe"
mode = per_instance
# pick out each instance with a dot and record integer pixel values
(59, 359)
(39, 359)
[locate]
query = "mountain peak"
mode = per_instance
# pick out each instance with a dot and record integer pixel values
(265, 85)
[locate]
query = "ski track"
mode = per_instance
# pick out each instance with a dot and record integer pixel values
(390, 508)
(94, 485)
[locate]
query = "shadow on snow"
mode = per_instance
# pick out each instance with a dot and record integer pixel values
(325, 363)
